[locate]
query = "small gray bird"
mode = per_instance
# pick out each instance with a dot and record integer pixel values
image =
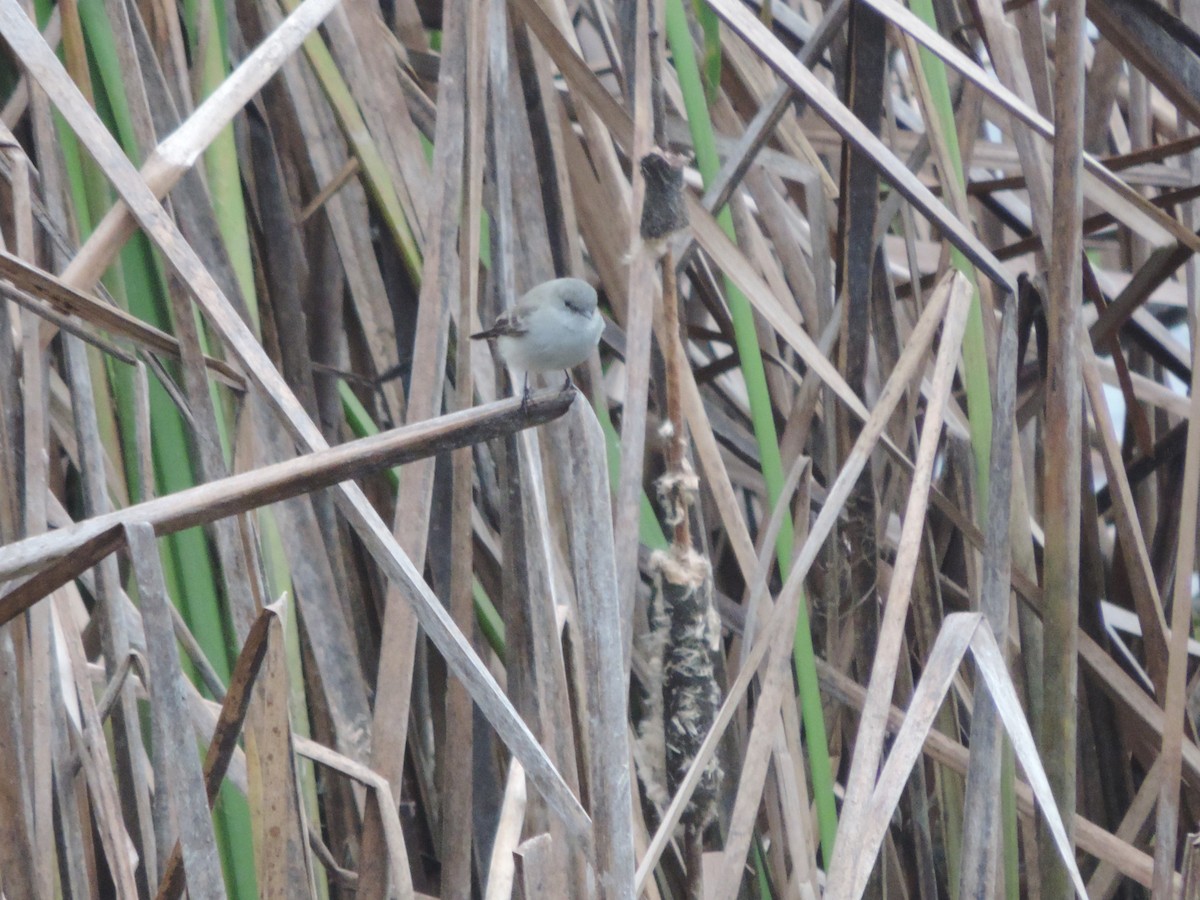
(554, 326)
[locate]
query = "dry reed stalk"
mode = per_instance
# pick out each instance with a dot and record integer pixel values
(322, 240)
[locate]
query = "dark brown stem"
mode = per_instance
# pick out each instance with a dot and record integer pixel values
(672, 355)
(693, 856)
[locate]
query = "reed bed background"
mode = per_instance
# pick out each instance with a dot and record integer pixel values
(862, 562)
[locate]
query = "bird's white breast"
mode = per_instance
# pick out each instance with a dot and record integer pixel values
(556, 338)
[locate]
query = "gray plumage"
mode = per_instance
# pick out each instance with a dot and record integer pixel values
(556, 325)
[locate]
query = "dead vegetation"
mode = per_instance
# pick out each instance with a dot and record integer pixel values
(862, 563)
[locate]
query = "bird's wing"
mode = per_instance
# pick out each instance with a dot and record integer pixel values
(508, 324)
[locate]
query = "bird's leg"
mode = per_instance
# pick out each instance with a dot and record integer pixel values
(525, 397)
(568, 384)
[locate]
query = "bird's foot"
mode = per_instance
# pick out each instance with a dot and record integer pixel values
(525, 397)
(568, 384)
